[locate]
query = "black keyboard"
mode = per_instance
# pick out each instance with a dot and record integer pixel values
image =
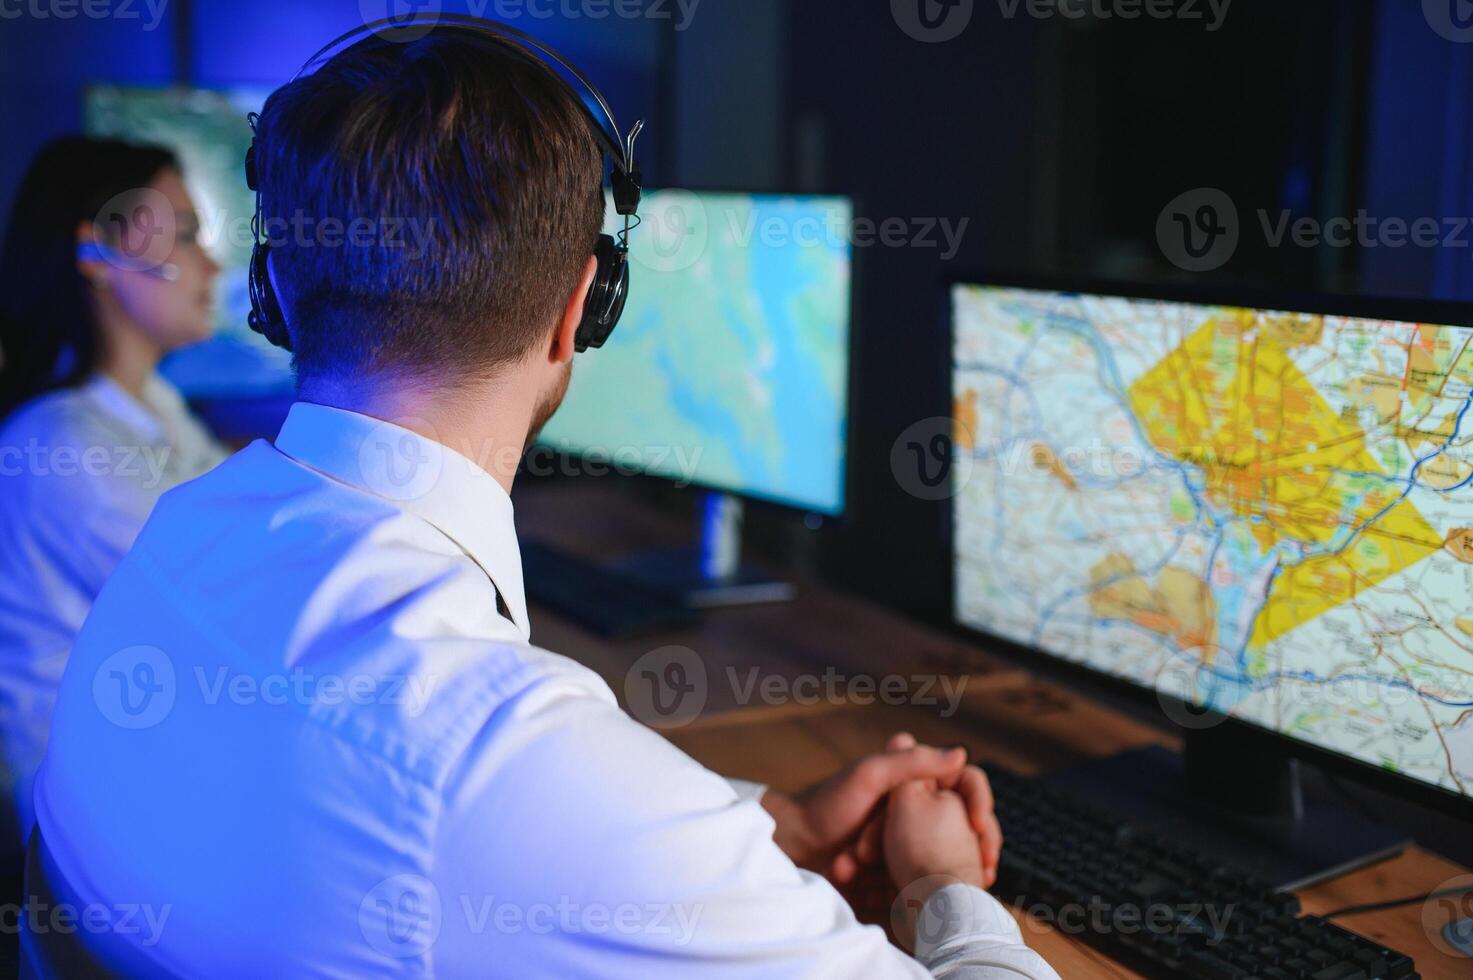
(1164, 909)
(595, 597)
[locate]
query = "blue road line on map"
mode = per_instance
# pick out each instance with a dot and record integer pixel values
(1270, 680)
(1412, 477)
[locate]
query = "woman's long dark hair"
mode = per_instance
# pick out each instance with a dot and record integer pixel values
(49, 337)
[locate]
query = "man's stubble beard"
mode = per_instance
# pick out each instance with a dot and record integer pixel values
(549, 405)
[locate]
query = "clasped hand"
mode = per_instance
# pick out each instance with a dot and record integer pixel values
(921, 809)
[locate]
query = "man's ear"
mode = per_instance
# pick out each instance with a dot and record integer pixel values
(564, 339)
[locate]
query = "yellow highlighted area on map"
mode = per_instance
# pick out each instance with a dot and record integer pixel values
(1231, 402)
(1459, 543)
(964, 413)
(1179, 605)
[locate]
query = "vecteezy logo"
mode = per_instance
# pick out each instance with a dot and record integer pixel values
(135, 688)
(409, 453)
(932, 459)
(401, 26)
(1179, 693)
(925, 913)
(1458, 934)
(938, 450)
(666, 688)
(1198, 231)
(932, 21)
(1451, 19)
(401, 916)
(397, 462)
(1447, 917)
(136, 230)
(674, 233)
(671, 681)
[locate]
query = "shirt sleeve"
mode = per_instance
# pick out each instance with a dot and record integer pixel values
(965, 934)
(745, 790)
(576, 842)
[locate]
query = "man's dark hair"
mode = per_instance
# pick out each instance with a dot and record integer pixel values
(430, 205)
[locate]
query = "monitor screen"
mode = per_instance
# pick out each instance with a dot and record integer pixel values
(1267, 513)
(730, 367)
(208, 132)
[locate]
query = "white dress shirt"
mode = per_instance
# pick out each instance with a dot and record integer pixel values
(297, 738)
(80, 470)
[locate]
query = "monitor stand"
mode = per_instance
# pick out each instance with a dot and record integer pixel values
(712, 575)
(1236, 795)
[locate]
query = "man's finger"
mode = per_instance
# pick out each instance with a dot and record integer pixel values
(867, 848)
(992, 846)
(844, 869)
(973, 787)
(976, 792)
(879, 774)
(900, 741)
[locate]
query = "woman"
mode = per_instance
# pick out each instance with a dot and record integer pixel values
(101, 274)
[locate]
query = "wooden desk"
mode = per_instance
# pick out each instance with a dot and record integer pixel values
(1003, 714)
(1030, 728)
(782, 642)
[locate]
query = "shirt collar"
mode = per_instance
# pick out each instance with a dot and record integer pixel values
(421, 476)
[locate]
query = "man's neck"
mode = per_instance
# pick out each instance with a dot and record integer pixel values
(487, 421)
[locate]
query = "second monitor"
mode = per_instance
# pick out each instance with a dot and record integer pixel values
(729, 371)
(730, 367)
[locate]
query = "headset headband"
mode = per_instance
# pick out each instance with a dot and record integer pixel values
(610, 287)
(618, 145)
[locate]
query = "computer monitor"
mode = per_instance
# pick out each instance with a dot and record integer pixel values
(207, 130)
(730, 368)
(1264, 512)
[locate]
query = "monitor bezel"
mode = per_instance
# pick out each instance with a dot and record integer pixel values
(846, 477)
(1452, 313)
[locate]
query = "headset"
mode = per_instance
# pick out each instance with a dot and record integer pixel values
(610, 289)
(95, 251)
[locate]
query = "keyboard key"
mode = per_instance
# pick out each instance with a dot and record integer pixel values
(1210, 967)
(1341, 971)
(1398, 967)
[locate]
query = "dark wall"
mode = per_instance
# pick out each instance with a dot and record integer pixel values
(47, 62)
(1265, 108)
(919, 132)
(1061, 141)
(1419, 150)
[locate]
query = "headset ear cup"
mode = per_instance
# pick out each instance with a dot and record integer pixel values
(266, 317)
(606, 297)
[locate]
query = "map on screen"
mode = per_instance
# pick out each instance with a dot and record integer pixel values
(1267, 513)
(730, 366)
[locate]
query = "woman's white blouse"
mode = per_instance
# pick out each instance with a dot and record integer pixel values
(80, 471)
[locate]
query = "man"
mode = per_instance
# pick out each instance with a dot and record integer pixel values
(303, 730)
